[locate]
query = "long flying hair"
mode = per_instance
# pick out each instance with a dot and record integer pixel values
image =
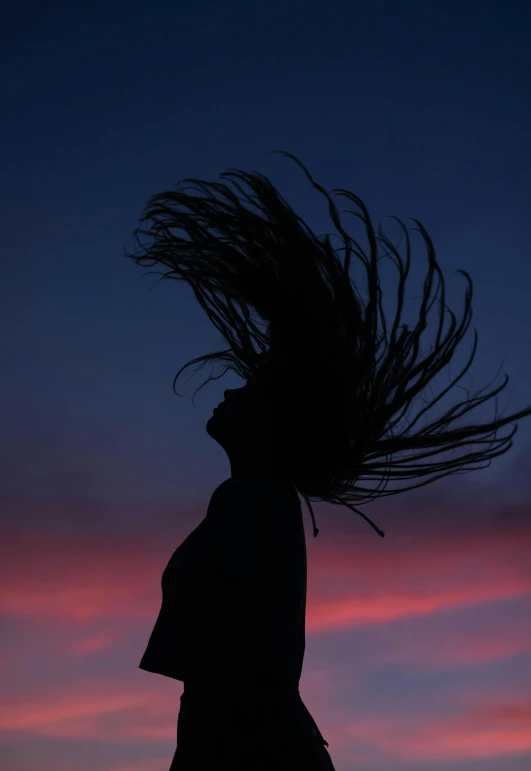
(340, 385)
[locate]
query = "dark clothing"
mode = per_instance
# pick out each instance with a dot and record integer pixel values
(230, 730)
(232, 628)
(234, 592)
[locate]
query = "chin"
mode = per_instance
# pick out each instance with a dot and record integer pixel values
(210, 426)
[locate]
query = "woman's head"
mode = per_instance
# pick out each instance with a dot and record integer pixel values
(340, 383)
(243, 424)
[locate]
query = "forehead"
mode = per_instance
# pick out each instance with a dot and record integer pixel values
(256, 381)
(253, 381)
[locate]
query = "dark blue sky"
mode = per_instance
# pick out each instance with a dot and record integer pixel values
(422, 109)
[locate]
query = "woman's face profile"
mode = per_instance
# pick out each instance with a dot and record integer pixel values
(241, 424)
(237, 419)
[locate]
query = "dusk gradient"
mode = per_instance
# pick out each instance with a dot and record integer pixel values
(418, 645)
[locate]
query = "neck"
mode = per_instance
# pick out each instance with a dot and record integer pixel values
(259, 471)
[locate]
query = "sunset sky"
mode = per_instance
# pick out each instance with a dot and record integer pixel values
(418, 652)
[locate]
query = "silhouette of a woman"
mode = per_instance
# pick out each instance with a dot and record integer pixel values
(323, 409)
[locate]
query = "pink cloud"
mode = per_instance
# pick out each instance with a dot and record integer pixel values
(83, 594)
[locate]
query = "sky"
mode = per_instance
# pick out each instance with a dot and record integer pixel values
(418, 652)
